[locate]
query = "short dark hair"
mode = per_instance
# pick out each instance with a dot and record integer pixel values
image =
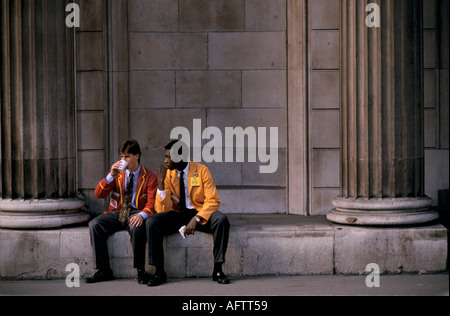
(130, 146)
(180, 151)
(170, 145)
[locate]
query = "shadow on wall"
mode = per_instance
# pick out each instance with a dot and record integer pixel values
(443, 207)
(444, 212)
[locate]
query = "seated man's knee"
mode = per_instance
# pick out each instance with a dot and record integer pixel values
(151, 220)
(133, 230)
(93, 224)
(223, 220)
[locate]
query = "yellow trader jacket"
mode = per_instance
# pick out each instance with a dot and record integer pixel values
(145, 191)
(202, 192)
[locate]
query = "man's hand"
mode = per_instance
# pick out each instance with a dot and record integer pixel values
(190, 228)
(115, 168)
(161, 175)
(136, 220)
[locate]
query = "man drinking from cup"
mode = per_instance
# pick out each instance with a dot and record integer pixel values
(132, 188)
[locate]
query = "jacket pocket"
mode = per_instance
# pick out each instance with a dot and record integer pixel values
(115, 199)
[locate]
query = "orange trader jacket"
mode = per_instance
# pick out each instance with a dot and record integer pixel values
(202, 192)
(145, 191)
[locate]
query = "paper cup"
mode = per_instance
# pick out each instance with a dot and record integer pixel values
(182, 231)
(123, 165)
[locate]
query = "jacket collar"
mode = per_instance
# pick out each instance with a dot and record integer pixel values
(141, 176)
(191, 171)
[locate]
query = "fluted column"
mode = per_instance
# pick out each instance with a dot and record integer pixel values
(382, 151)
(38, 186)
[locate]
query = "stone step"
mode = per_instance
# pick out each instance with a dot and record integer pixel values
(262, 244)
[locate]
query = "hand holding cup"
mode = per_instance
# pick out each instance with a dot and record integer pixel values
(118, 167)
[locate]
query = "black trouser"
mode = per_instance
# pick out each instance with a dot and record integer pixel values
(107, 224)
(161, 224)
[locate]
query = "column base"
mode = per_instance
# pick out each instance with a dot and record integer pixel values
(381, 212)
(39, 214)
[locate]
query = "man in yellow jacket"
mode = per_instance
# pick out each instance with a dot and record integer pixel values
(186, 196)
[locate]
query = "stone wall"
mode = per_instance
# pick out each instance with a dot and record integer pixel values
(145, 67)
(221, 62)
(217, 61)
(92, 100)
(436, 101)
(324, 104)
(270, 244)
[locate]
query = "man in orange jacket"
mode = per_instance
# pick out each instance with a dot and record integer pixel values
(186, 196)
(128, 209)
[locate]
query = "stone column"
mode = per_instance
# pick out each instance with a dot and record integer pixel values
(38, 176)
(382, 150)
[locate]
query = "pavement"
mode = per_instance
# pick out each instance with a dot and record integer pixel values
(246, 286)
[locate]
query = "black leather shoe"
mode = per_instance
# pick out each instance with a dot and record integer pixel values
(143, 276)
(220, 277)
(101, 276)
(157, 279)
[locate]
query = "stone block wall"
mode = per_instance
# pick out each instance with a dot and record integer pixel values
(258, 245)
(324, 104)
(436, 101)
(145, 67)
(92, 100)
(170, 62)
(217, 61)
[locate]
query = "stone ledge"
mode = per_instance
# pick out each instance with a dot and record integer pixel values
(259, 245)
